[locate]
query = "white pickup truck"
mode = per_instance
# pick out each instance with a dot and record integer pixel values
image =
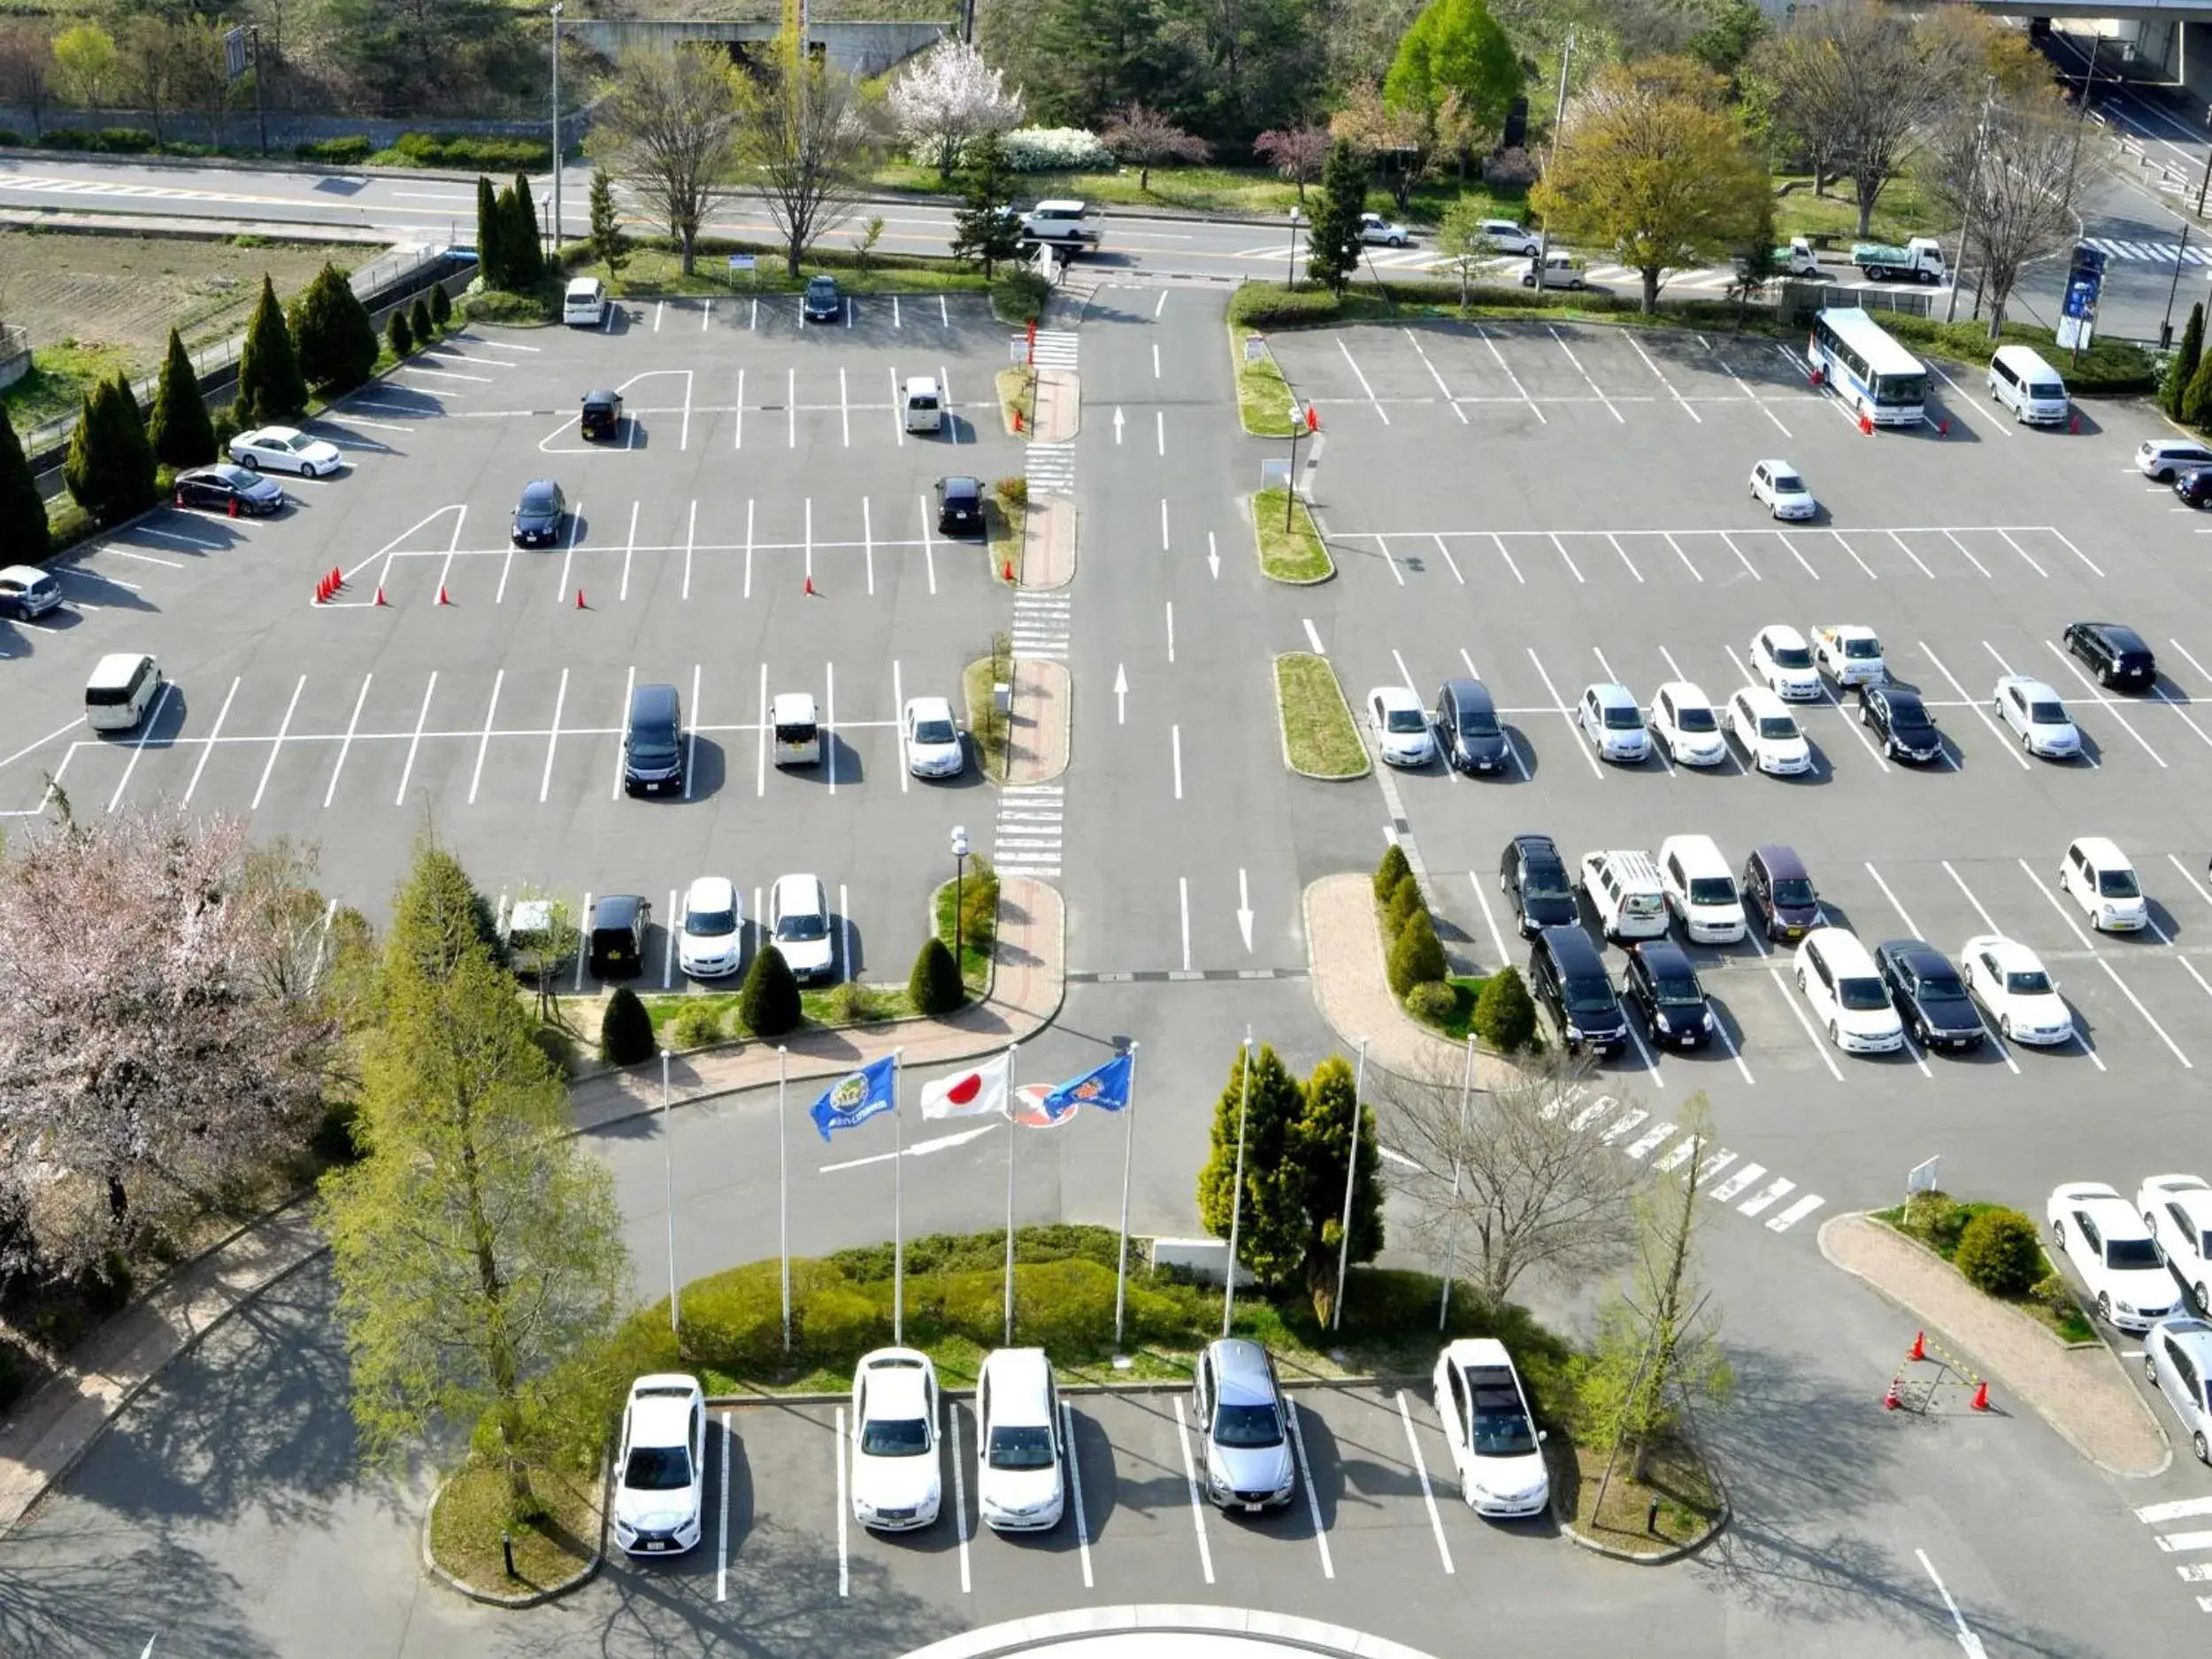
(1848, 653)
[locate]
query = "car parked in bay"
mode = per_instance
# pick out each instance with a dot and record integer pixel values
(661, 1462)
(1019, 1428)
(1610, 718)
(1683, 720)
(2177, 1362)
(1662, 986)
(1771, 740)
(896, 1487)
(539, 511)
(1497, 1449)
(227, 487)
(1898, 715)
(286, 449)
(1566, 976)
(1533, 877)
(1846, 991)
(1243, 1425)
(1930, 996)
(1400, 727)
(2098, 878)
(2037, 716)
(2177, 1209)
(1782, 662)
(960, 506)
(27, 593)
(2119, 656)
(2108, 1245)
(2015, 991)
(1467, 728)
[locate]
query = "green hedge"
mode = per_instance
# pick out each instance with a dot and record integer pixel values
(471, 152)
(105, 140)
(1271, 306)
(2108, 368)
(347, 152)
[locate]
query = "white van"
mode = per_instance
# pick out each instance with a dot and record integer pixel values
(798, 733)
(921, 406)
(123, 687)
(1701, 891)
(1624, 889)
(585, 303)
(1560, 270)
(2029, 387)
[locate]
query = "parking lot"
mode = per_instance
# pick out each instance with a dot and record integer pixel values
(458, 681)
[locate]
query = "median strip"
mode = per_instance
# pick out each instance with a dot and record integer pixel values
(1319, 740)
(1290, 545)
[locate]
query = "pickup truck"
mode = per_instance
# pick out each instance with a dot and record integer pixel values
(1796, 260)
(1848, 653)
(1920, 259)
(1373, 228)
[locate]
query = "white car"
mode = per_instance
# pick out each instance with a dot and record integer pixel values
(799, 925)
(1778, 484)
(1508, 237)
(2099, 1233)
(1401, 726)
(1845, 990)
(2177, 1209)
(933, 748)
(1018, 1442)
(1497, 1449)
(711, 944)
(1612, 720)
(1850, 654)
(1682, 718)
(1373, 228)
(2037, 716)
(1782, 662)
(2023, 1002)
(896, 1487)
(662, 1465)
(1768, 732)
(286, 449)
(2097, 875)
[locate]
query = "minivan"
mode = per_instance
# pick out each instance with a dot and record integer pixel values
(921, 408)
(123, 687)
(1467, 726)
(2029, 387)
(1624, 888)
(616, 947)
(1560, 270)
(653, 743)
(1566, 974)
(602, 416)
(798, 733)
(585, 303)
(1776, 886)
(1700, 890)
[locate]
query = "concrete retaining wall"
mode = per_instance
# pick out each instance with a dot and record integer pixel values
(859, 49)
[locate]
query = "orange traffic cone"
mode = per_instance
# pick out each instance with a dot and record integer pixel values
(1017, 420)
(1919, 1346)
(2073, 423)
(1980, 1402)
(321, 593)
(579, 599)
(810, 585)
(337, 578)
(1008, 572)
(234, 506)
(442, 598)
(1890, 1402)
(1866, 424)
(379, 593)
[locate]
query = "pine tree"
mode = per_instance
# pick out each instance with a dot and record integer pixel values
(1504, 1015)
(270, 386)
(2196, 402)
(178, 428)
(420, 323)
(521, 245)
(1320, 1146)
(1336, 221)
(440, 306)
(769, 1003)
(23, 530)
(2182, 369)
(626, 1030)
(609, 244)
(136, 484)
(1416, 956)
(337, 339)
(84, 469)
(1272, 1223)
(1392, 870)
(491, 235)
(109, 467)
(934, 987)
(983, 229)
(398, 335)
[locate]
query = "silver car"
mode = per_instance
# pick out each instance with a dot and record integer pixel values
(2178, 1360)
(1245, 1420)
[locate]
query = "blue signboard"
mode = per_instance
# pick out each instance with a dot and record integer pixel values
(2077, 313)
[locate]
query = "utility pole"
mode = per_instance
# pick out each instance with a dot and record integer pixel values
(1551, 151)
(260, 104)
(1973, 194)
(556, 132)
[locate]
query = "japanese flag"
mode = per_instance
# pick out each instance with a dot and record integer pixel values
(972, 1093)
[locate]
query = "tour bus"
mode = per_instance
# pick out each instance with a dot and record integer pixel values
(1871, 373)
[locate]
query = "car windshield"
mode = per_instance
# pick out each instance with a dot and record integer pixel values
(1907, 717)
(1405, 721)
(1941, 984)
(934, 731)
(1247, 1426)
(537, 498)
(1778, 727)
(1788, 484)
(1864, 650)
(805, 925)
(1623, 718)
(820, 286)
(1501, 1426)
(2048, 713)
(961, 492)
(2130, 1253)
(1790, 657)
(2036, 983)
(1864, 994)
(1677, 988)
(236, 476)
(2117, 884)
(1712, 890)
(894, 1437)
(711, 924)
(1589, 996)
(1025, 1447)
(795, 733)
(658, 1468)
(1794, 891)
(1544, 881)
(1478, 723)
(1693, 716)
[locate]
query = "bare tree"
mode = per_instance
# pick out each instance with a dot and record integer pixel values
(2014, 180)
(1149, 137)
(1518, 1187)
(804, 133)
(146, 48)
(950, 96)
(667, 128)
(26, 64)
(1296, 153)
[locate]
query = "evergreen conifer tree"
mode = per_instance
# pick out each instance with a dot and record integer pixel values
(23, 530)
(180, 429)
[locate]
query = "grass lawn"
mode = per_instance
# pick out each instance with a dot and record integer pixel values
(59, 375)
(1262, 395)
(1318, 729)
(653, 271)
(986, 723)
(1292, 554)
(1901, 213)
(1688, 1501)
(1017, 393)
(1465, 990)
(1004, 515)
(1938, 1221)
(553, 1546)
(975, 958)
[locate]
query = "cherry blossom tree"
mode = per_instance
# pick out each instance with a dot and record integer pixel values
(1149, 137)
(950, 97)
(1296, 153)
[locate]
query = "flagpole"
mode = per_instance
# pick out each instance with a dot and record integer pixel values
(783, 1191)
(1236, 1193)
(1451, 1248)
(898, 1211)
(1128, 1141)
(1011, 1127)
(1351, 1178)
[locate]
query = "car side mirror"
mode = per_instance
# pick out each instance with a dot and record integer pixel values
(1542, 1435)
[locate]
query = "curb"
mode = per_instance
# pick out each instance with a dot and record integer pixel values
(1259, 558)
(1658, 1558)
(1156, 1627)
(491, 1598)
(1282, 726)
(1139, 1386)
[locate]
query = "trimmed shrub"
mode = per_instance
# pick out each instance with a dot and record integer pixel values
(1392, 870)
(1505, 1015)
(420, 323)
(347, 152)
(270, 385)
(695, 1025)
(626, 1030)
(1053, 149)
(337, 340)
(109, 467)
(1271, 306)
(398, 335)
(1014, 490)
(560, 1053)
(1019, 294)
(472, 152)
(440, 306)
(1405, 900)
(1998, 1253)
(1432, 1002)
(979, 903)
(23, 529)
(769, 1003)
(1417, 956)
(934, 986)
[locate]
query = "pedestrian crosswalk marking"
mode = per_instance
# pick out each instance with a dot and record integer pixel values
(1711, 1167)
(1677, 1156)
(2171, 1542)
(1795, 1213)
(1736, 1184)
(1591, 1113)
(1782, 1186)
(1026, 840)
(2152, 1514)
(1629, 1120)
(1054, 349)
(1651, 1138)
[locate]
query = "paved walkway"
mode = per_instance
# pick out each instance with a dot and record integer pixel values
(1044, 704)
(2081, 1392)
(1048, 542)
(1059, 406)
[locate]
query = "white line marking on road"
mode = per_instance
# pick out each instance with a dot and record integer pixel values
(1190, 1480)
(345, 747)
(1182, 885)
(1610, 406)
(844, 1509)
(1909, 553)
(1075, 1474)
(760, 760)
(1415, 341)
(568, 553)
(1687, 407)
(1313, 1498)
(1623, 1124)
(1364, 386)
(216, 735)
(622, 723)
(1736, 1184)
(1314, 635)
(2107, 703)
(552, 737)
(1968, 1640)
(1489, 920)
(1820, 1044)
(722, 1549)
(2003, 737)
(960, 1495)
(1781, 1187)
(421, 719)
(1795, 1213)
(1565, 556)
(1685, 558)
(1676, 1155)
(1730, 541)
(748, 547)
(1175, 738)
(1566, 714)
(1508, 557)
(485, 741)
(691, 738)
(1170, 633)
(691, 534)
(2181, 1509)
(1650, 1139)
(829, 725)
(1428, 1497)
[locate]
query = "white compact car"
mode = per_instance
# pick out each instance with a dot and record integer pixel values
(2021, 1001)
(1768, 732)
(1373, 228)
(799, 925)
(1845, 990)
(662, 1464)
(2177, 1362)
(933, 748)
(1018, 1442)
(1497, 1449)
(1850, 653)
(1682, 718)
(2097, 875)
(1782, 662)
(2177, 1209)
(711, 941)
(286, 449)
(2037, 717)
(1778, 484)
(2099, 1233)
(1401, 726)
(895, 1487)
(1612, 720)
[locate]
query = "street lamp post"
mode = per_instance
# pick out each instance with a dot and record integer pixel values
(556, 132)
(959, 869)
(1291, 276)
(668, 1199)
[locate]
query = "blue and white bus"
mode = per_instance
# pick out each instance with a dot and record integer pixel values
(1871, 373)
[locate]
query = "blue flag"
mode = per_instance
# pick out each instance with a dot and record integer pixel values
(1105, 1087)
(857, 1096)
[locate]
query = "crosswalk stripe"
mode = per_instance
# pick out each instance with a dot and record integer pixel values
(1751, 1207)
(2172, 1541)
(1629, 1120)
(2195, 1571)
(1591, 1113)
(1711, 1167)
(1676, 1157)
(1796, 1213)
(1739, 1181)
(2152, 1513)
(1651, 1138)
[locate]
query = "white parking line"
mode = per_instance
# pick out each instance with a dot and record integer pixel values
(760, 758)
(1622, 551)
(1364, 386)
(1489, 920)
(1428, 1497)
(1685, 558)
(484, 741)
(2003, 737)
(1443, 547)
(691, 738)
(960, 1495)
(1414, 340)
(2004, 1051)
(1687, 407)
(1720, 1030)
(214, 737)
(1519, 391)
(844, 1504)
(345, 747)
(421, 719)
(668, 937)
(2023, 552)
(1730, 541)
(622, 723)
(1585, 373)
(1563, 554)
(1075, 1480)
(2066, 542)
(1313, 1498)
(1820, 1044)
(1190, 1480)
(722, 1548)
(2107, 703)
(1566, 714)
(1508, 557)
(1909, 553)
(691, 536)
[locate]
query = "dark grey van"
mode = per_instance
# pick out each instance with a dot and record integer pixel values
(616, 947)
(1467, 726)
(653, 743)
(1779, 891)
(1567, 975)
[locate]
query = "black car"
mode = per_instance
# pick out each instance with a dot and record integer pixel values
(603, 414)
(538, 515)
(2194, 485)
(1566, 974)
(824, 303)
(2116, 653)
(615, 948)
(1533, 876)
(224, 488)
(1662, 987)
(1896, 715)
(1930, 996)
(1467, 727)
(960, 506)
(653, 743)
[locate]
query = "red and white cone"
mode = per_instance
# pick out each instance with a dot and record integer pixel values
(1890, 1402)
(579, 600)
(1919, 1346)
(380, 593)
(442, 598)
(810, 585)
(1980, 1401)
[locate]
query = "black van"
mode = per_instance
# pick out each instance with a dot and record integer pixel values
(1781, 893)
(1567, 977)
(1467, 726)
(616, 948)
(603, 414)
(653, 743)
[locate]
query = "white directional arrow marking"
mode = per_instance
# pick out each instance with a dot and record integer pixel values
(1244, 912)
(1213, 557)
(1117, 424)
(1121, 693)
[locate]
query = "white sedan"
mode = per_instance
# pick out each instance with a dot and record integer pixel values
(1496, 1446)
(896, 1487)
(2178, 1209)
(1778, 484)
(933, 748)
(1782, 661)
(1682, 718)
(1768, 732)
(799, 926)
(2037, 717)
(1845, 990)
(2008, 979)
(662, 1459)
(2099, 1233)
(1401, 726)
(711, 941)
(286, 449)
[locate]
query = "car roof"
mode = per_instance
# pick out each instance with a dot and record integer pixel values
(1775, 463)
(2117, 634)
(660, 1408)
(1572, 950)
(1663, 955)
(2103, 852)
(1018, 1378)
(960, 484)
(116, 668)
(2010, 953)
(603, 396)
(1760, 702)
(896, 1377)
(539, 487)
(1467, 693)
(930, 708)
(2112, 1213)
(1241, 1372)
(616, 909)
(1477, 1350)
(1842, 949)
(792, 703)
(824, 280)
(2028, 686)
(272, 432)
(1916, 954)
(1895, 694)
(1611, 695)
(1782, 634)
(1395, 697)
(1534, 846)
(801, 891)
(654, 701)
(2194, 1337)
(1779, 860)
(1685, 692)
(711, 892)
(26, 573)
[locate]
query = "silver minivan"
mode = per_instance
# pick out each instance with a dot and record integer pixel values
(123, 687)
(1243, 1420)
(2023, 382)
(921, 405)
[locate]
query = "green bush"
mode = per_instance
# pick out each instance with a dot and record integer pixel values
(1404, 902)
(571, 1412)
(1392, 870)
(104, 140)
(333, 1140)
(440, 306)
(769, 1004)
(335, 340)
(1998, 1253)
(1432, 1002)
(398, 335)
(553, 1043)
(626, 1030)
(472, 152)
(497, 305)
(348, 152)
(1505, 1015)
(696, 1024)
(934, 987)
(420, 323)
(1271, 306)
(13, 1374)
(979, 903)
(2108, 366)
(9, 140)
(1417, 956)
(1018, 295)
